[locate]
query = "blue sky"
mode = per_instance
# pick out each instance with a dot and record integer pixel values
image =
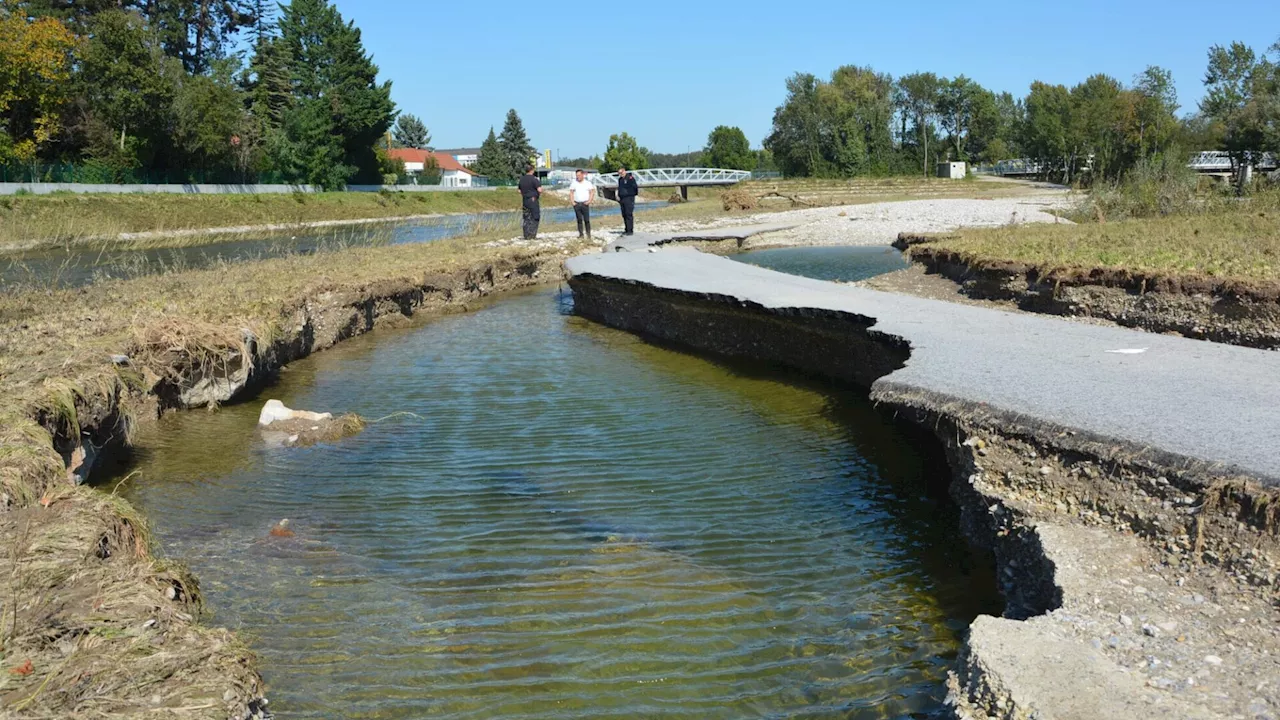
(670, 72)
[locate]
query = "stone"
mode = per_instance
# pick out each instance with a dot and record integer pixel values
(1213, 659)
(1150, 630)
(275, 411)
(1126, 620)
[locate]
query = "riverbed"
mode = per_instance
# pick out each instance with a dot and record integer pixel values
(554, 519)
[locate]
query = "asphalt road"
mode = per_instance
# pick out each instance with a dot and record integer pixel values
(1212, 402)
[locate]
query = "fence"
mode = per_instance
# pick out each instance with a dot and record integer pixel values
(100, 174)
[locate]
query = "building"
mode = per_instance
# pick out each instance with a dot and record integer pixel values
(952, 170)
(452, 172)
(564, 175)
(466, 157)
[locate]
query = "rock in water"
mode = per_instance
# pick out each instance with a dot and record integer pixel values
(282, 427)
(275, 411)
(281, 529)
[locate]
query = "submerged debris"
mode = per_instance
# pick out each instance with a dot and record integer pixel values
(282, 427)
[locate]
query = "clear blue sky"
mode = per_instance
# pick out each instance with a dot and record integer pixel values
(669, 72)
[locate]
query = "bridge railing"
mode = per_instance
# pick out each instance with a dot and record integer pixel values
(676, 176)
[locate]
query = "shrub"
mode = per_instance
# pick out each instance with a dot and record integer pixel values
(737, 199)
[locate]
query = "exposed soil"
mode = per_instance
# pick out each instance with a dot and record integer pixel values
(94, 625)
(1201, 307)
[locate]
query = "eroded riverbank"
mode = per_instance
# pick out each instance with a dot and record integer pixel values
(1176, 617)
(572, 523)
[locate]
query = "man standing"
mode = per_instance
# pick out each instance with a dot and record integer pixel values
(583, 194)
(530, 192)
(627, 191)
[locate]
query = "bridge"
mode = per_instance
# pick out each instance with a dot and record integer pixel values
(671, 177)
(1210, 162)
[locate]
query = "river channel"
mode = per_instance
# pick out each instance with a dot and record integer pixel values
(558, 520)
(84, 265)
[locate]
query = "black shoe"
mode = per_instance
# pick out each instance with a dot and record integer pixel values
(580, 237)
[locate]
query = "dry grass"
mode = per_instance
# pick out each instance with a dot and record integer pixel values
(70, 220)
(1238, 246)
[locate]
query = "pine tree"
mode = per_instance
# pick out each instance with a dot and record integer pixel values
(340, 111)
(516, 148)
(491, 162)
(410, 132)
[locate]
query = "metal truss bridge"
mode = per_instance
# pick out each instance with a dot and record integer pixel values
(672, 177)
(1213, 161)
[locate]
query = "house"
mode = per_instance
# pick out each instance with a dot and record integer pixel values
(466, 157)
(452, 172)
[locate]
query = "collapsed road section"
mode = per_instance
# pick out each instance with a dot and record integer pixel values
(1127, 482)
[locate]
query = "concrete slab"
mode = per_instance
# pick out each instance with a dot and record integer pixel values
(1214, 403)
(643, 240)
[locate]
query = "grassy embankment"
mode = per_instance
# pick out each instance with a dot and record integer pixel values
(92, 623)
(34, 221)
(1207, 242)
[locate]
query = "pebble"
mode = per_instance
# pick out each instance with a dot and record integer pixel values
(1150, 630)
(1126, 620)
(1045, 470)
(1213, 659)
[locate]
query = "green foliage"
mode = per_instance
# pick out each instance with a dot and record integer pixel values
(340, 110)
(836, 128)
(491, 162)
(1242, 95)
(623, 151)
(727, 147)
(517, 151)
(207, 116)
(410, 132)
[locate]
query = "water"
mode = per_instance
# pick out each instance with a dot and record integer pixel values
(843, 264)
(572, 524)
(81, 266)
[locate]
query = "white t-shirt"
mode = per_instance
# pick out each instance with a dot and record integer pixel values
(581, 190)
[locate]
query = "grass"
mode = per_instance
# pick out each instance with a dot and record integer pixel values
(38, 221)
(1215, 246)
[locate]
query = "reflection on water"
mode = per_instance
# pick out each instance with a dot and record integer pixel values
(843, 264)
(572, 524)
(73, 268)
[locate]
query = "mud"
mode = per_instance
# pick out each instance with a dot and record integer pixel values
(77, 546)
(1202, 308)
(1137, 582)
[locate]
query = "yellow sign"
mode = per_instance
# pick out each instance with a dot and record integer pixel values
(546, 154)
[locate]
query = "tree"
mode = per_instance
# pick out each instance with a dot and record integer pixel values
(126, 87)
(623, 151)
(491, 162)
(1047, 131)
(918, 98)
(339, 109)
(1097, 121)
(411, 132)
(796, 139)
(35, 66)
(1243, 95)
(516, 148)
(727, 147)
(209, 120)
(1154, 119)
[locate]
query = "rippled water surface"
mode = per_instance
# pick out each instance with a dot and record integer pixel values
(572, 524)
(842, 263)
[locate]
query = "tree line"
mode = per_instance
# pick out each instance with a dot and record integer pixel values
(860, 121)
(226, 91)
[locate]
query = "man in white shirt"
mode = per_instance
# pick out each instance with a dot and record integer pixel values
(583, 194)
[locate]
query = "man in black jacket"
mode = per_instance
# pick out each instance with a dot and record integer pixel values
(627, 191)
(530, 193)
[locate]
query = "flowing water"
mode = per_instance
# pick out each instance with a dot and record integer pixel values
(839, 263)
(84, 265)
(571, 523)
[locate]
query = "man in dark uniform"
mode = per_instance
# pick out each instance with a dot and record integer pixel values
(530, 192)
(627, 191)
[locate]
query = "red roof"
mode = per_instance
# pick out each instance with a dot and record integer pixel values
(413, 155)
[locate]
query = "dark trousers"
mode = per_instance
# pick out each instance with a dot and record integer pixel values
(532, 215)
(582, 213)
(628, 213)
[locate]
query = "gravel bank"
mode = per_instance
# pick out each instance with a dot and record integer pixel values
(866, 224)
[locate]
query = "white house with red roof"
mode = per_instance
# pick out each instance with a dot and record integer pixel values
(452, 172)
